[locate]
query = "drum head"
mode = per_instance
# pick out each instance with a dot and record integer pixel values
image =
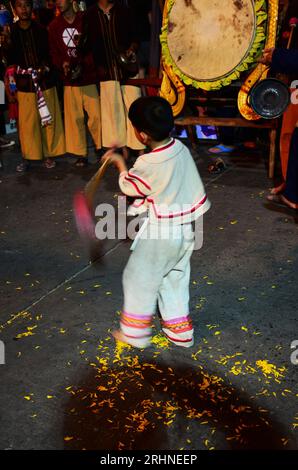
(207, 39)
(270, 98)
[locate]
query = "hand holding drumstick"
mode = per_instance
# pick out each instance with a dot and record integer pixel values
(115, 158)
(266, 58)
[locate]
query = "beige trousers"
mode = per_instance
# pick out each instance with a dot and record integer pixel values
(36, 141)
(78, 99)
(115, 101)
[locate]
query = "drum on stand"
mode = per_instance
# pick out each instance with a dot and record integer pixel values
(211, 44)
(208, 40)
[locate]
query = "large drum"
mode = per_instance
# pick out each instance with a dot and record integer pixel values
(210, 43)
(209, 39)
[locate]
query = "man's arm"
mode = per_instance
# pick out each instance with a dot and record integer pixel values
(281, 60)
(285, 61)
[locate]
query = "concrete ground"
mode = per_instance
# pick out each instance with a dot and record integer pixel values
(65, 385)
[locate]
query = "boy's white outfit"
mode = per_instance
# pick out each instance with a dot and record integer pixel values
(166, 181)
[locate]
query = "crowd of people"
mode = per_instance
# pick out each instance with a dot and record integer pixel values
(66, 66)
(66, 70)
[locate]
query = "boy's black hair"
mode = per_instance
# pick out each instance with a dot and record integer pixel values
(152, 115)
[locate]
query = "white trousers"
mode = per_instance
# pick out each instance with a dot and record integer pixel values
(157, 275)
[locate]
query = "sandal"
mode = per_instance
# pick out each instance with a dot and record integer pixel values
(220, 148)
(249, 144)
(278, 189)
(81, 162)
(22, 167)
(217, 167)
(49, 163)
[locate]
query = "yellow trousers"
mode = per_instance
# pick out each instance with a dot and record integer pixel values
(115, 101)
(78, 99)
(36, 141)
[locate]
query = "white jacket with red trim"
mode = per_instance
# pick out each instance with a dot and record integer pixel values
(169, 184)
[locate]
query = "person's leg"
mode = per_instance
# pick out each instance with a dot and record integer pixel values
(289, 121)
(75, 130)
(173, 301)
(112, 115)
(291, 191)
(53, 139)
(226, 135)
(142, 279)
(130, 94)
(289, 196)
(29, 129)
(91, 105)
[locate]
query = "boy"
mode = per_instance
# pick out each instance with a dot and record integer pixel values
(28, 50)
(158, 270)
(80, 92)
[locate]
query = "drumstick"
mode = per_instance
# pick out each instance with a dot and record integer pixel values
(92, 185)
(83, 207)
(293, 23)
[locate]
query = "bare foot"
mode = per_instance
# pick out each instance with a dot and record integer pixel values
(289, 203)
(282, 201)
(278, 189)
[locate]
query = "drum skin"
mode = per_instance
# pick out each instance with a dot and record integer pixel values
(209, 39)
(208, 44)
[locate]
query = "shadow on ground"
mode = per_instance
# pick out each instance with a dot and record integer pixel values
(153, 406)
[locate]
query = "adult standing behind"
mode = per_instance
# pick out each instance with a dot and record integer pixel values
(288, 39)
(5, 23)
(46, 13)
(111, 30)
(286, 61)
(40, 124)
(77, 71)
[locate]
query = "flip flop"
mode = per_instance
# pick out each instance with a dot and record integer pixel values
(217, 167)
(49, 164)
(278, 189)
(220, 148)
(81, 162)
(22, 167)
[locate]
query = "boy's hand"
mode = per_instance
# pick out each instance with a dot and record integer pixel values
(266, 58)
(117, 159)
